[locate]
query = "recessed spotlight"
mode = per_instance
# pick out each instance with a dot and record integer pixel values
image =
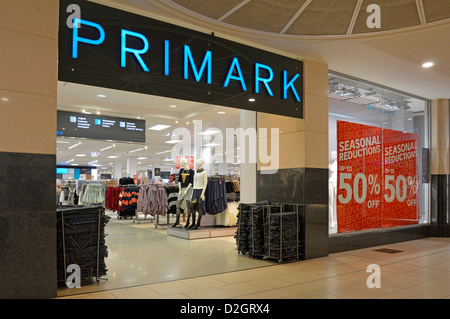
(5, 99)
(427, 65)
(98, 112)
(176, 122)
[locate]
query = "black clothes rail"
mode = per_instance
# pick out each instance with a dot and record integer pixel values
(270, 231)
(81, 241)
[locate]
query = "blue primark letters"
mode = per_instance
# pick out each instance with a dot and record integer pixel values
(263, 75)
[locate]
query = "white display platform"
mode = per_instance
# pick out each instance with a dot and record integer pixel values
(202, 232)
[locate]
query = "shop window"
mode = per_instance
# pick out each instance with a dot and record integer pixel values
(379, 151)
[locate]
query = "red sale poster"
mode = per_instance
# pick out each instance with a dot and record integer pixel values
(359, 183)
(401, 178)
(189, 159)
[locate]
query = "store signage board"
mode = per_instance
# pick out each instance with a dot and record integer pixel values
(109, 48)
(72, 124)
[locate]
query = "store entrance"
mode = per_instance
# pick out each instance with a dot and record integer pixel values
(143, 247)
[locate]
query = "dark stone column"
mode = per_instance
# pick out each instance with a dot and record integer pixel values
(27, 226)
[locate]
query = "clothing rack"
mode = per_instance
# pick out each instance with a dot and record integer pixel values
(155, 218)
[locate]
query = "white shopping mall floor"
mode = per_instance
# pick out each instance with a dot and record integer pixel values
(145, 263)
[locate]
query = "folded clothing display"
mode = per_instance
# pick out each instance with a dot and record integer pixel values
(271, 231)
(81, 241)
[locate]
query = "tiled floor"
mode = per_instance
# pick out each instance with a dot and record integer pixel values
(420, 271)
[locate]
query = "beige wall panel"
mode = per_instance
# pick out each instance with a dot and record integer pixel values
(440, 135)
(30, 16)
(291, 150)
(315, 78)
(28, 63)
(28, 123)
(440, 111)
(316, 149)
(440, 161)
(284, 123)
(316, 113)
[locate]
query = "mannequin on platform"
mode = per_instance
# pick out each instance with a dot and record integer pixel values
(185, 184)
(332, 184)
(198, 203)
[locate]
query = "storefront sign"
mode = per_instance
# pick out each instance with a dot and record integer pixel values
(377, 177)
(110, 48)
(72, 124)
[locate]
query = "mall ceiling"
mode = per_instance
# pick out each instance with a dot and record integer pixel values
(331, 31)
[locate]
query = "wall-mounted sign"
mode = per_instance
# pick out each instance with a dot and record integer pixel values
(71, 124)
(110, 48)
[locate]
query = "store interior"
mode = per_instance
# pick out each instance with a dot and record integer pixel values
(141, 249)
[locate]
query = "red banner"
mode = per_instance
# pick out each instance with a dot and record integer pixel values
(401, 178)
(189, 159)
(359, 184)
(377, 177)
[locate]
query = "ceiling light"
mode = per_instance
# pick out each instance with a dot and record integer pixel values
(163, 152)
(209, 132)
(221, 112)
(134, 151)
(159, 127)
(211, 144)
(5, 99)
(62, 142)
(113, 156)
(142, 158)
(173, 141)
(427, 64)
(80, 155)
(176, 122)
(75, 164)
(168, 160)
(106, 148)
(75, 145)
(251, 100)
(172, 106)
(101, 96)
(98, 112)
(70, 161)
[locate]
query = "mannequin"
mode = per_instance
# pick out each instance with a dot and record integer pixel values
(185, 181)
(332, 183)
(198, 196)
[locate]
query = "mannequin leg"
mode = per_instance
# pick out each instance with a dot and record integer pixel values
(200, 214)
(191, 213)
(177, 222)
(190, 208)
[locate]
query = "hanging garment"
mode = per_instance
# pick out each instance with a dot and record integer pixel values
(216, 196)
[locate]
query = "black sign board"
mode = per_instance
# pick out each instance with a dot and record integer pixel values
(72, 124)
(106, 47)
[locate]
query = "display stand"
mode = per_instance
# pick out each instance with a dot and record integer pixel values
(270, 231)
(81, 241)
